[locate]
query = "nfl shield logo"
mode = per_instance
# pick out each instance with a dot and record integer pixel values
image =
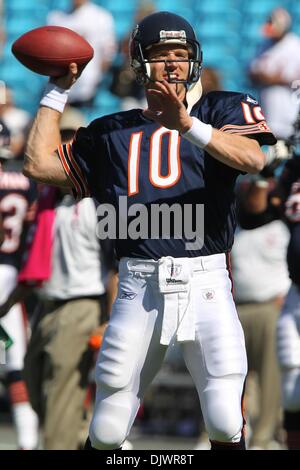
(208, 295)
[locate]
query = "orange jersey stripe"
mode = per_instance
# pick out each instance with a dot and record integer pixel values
(69, 172)
(263, 126)
(77, 169)
(257, 131)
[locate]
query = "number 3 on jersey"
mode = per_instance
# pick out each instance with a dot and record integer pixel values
(156, 178)
(13, 207)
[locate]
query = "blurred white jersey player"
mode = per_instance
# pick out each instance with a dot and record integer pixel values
(17, 200)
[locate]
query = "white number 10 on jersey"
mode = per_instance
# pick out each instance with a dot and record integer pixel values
(155, 176)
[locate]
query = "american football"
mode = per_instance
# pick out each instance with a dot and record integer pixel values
(49, 50)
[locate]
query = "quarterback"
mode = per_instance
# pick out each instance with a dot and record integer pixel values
(169, 290)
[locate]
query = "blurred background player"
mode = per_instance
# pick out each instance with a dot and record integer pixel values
(288, 328)
(274, 70)
(17, 202)
(124, 84)
(210, 80)
(17, 120)
(261, 282)
(96, 25)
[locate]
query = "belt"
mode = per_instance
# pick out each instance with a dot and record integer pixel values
(174, 276)
(199, 263)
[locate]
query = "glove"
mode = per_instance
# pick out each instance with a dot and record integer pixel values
(275, 155)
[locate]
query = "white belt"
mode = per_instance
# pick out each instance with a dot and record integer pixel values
(175, 284)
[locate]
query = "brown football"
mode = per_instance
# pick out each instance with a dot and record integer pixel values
(49, 50)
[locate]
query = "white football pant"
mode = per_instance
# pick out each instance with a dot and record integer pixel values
(188, 300)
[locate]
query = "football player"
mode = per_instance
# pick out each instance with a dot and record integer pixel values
(288, 325)
(17, 208)
(172, 286)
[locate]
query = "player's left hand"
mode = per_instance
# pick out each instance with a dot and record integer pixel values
(166, 108)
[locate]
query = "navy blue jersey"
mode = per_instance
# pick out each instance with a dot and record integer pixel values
(126, 154)
(17, 207)
(290, 183)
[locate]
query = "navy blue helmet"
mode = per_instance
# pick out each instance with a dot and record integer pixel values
(5, 152)
(164, 28)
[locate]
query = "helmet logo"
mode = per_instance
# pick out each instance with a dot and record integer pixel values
(171, 35)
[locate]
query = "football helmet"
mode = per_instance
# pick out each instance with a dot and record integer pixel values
(5, 152)
(164, 28)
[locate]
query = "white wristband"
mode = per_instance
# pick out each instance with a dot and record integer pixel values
(262, 184)
(199, 134)
(55, 97)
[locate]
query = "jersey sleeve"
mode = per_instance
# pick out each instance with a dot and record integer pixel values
(238, 113)
(81, 160)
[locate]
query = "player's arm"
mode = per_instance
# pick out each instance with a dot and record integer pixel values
(18, 294)
(236, 151)
(253, 195)
(41, 160)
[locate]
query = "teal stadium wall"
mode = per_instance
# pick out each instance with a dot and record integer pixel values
(229, 31)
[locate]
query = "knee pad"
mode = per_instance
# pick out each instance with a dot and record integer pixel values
(224, 351)
(110, 424)
(118, 357)
(225, 429)
(223, 409)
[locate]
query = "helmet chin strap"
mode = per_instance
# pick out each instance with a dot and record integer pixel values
(194, 94)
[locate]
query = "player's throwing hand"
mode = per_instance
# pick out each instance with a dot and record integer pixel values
(165, 107)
